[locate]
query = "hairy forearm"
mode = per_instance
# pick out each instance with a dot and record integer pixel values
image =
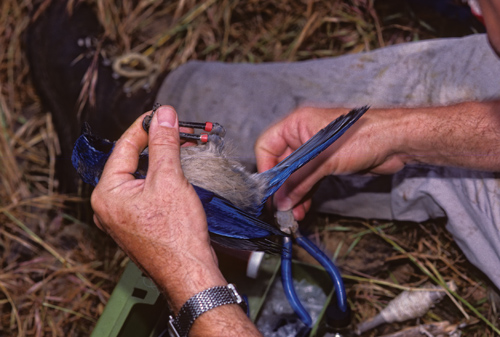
(383, 141)
(463, 135)
(184, 275)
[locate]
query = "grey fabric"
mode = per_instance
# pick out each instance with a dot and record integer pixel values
(247, 98)
(469, 199)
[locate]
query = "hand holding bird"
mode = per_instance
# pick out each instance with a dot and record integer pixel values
(232, 198)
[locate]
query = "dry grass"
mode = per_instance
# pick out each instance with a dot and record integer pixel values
(57, 273)
(381, 259)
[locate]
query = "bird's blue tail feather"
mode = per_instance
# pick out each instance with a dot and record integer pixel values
(276, 176)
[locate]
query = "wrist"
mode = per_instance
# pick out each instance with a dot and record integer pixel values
(387, 135)
(204, 301)
(401, 140)
(188, 276)
(179, 273)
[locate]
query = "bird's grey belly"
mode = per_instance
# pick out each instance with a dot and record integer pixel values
(207, 167)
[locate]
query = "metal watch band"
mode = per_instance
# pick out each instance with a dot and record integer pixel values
(200, 303)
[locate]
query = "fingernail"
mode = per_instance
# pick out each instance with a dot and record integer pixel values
(284, 204)
(166, 116)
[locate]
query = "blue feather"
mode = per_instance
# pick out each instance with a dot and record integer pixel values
(232, 209)
(228, 225)
(89, 156)
(276, 176)
(244, 230)
(224, 218)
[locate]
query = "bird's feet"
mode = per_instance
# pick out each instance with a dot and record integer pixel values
(216, 132)
(287, 222)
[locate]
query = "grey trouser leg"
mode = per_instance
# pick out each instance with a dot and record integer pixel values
(247, 98)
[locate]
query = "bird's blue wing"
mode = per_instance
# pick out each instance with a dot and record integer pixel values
(276, 176)
(235, 228)
(227, 224)
(90, 154)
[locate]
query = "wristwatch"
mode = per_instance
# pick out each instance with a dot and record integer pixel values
(200, 303)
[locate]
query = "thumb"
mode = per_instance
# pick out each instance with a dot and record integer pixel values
(164, 146)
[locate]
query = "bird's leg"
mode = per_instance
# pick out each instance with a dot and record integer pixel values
(211, 128)
(286, 221)
(216, 132)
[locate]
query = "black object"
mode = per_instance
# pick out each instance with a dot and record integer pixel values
(58, 62)
(336, 321)
(335, 318)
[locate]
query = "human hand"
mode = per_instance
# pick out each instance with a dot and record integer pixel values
(158, 221)
(371, 145)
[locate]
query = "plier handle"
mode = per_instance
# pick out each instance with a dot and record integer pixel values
(324, 260)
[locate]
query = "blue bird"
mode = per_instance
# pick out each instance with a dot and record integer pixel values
(232, 197)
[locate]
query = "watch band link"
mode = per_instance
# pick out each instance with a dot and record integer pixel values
(200, 303)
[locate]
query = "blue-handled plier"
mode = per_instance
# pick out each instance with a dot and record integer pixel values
(288, 224)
